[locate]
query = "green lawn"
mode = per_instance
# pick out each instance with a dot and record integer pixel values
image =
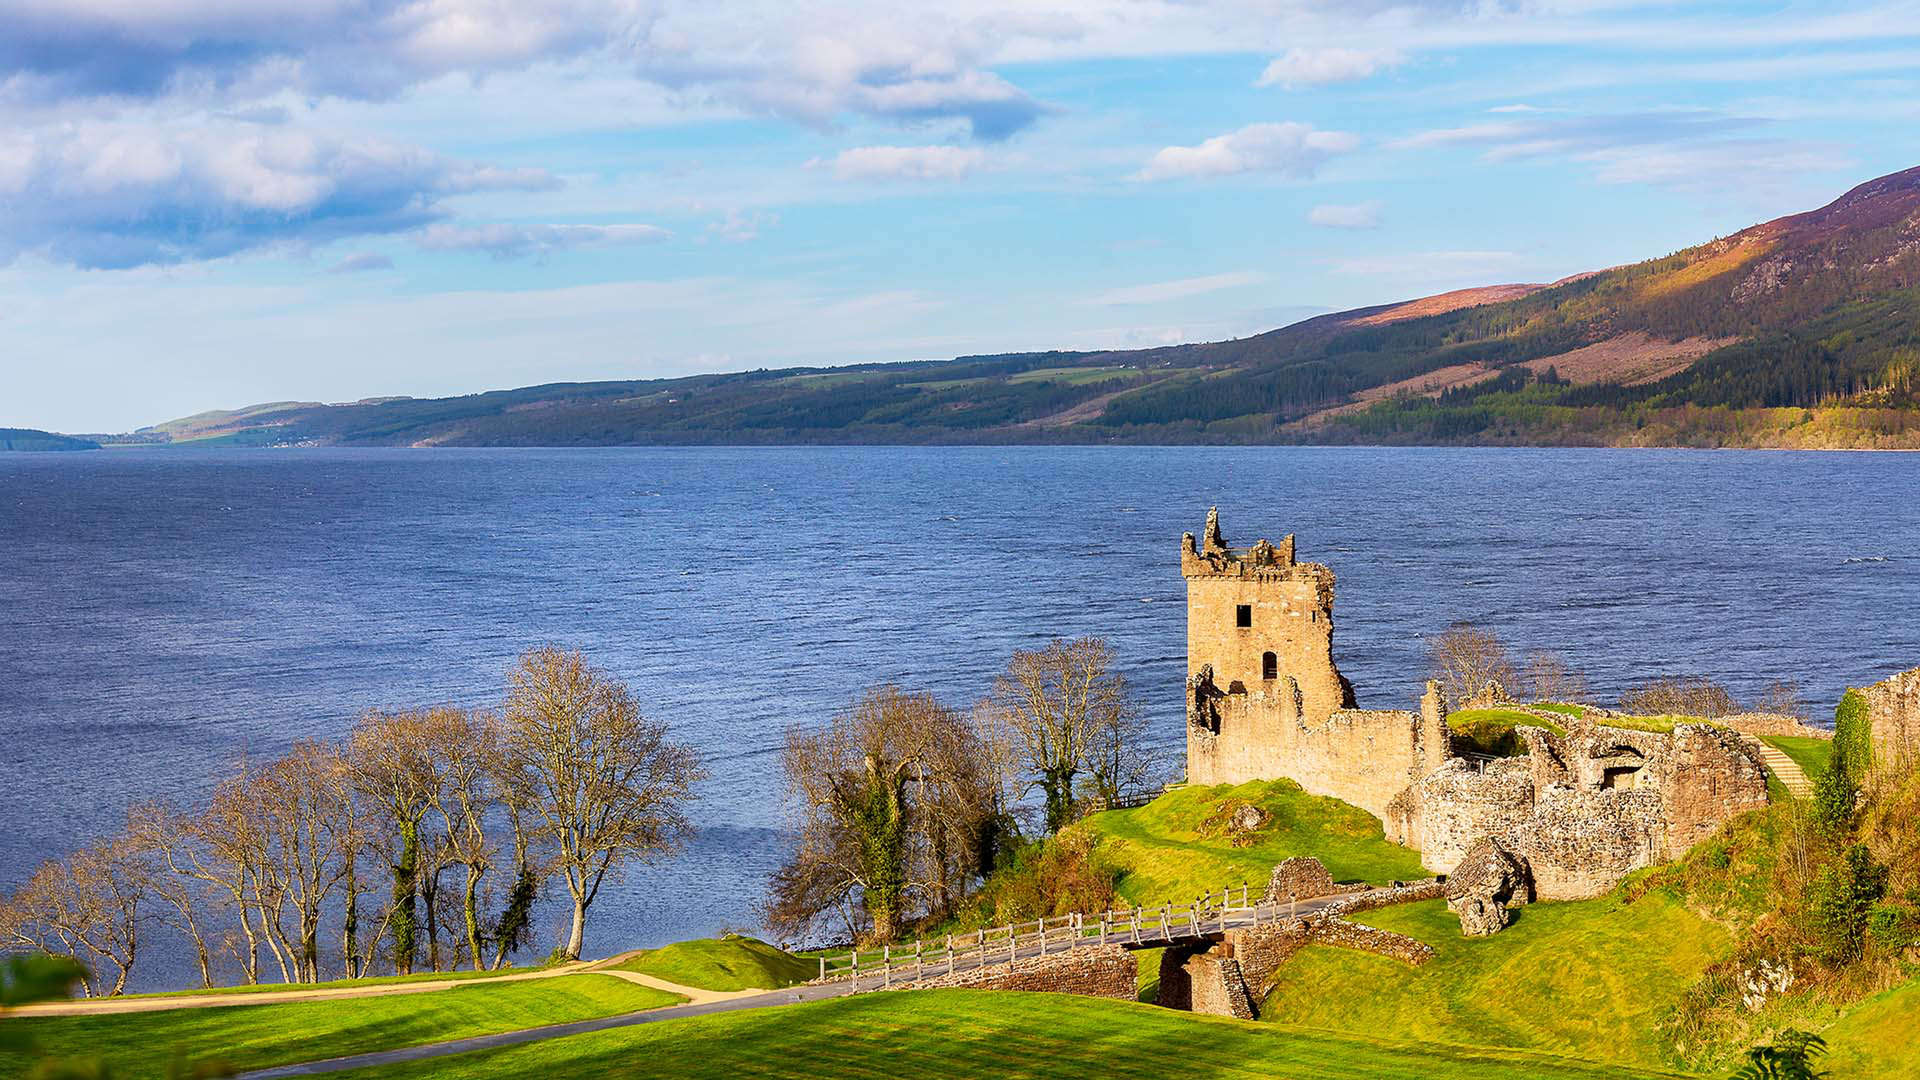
(1874, 1040)
(1561, 707)
(1586, 979)
(338, 984)
(1490, 731)
(731, 963)
(1165, 857)
(1000, 1034)
(1811, 754)
(138, 1045)
(1073, 376)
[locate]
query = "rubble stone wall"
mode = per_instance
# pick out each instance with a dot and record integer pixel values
(1101, 971)
(1894, 706)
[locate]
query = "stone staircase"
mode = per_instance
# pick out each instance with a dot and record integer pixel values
(1786, 771)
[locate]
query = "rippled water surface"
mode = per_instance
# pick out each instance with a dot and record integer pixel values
(166, 610)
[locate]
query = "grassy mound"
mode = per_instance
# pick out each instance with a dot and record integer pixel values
(1166, 851)
(967, 1033)
(136, 1045)
(729, 963)
(1491, 731)
(1874, 1040)
(1586, 979)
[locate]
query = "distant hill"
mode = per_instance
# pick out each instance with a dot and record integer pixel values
(14, 438)
(1804, 331)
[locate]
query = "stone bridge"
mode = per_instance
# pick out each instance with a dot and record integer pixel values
(1217, 955)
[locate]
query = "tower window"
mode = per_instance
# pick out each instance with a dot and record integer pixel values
(1269, 666)
(1243, 615)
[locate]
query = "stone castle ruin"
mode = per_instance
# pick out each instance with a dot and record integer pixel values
(1573, 816)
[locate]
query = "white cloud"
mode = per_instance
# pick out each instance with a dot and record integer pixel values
(354, 264)
(1365, 215)
(518, 241)
(1690, 149)
(121, 195)
(907, 162)
(1300, 67)
(1179, 289)
(1292, 150)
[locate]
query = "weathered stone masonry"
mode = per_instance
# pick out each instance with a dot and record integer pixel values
(1265, 700)
(1893, 706)
(1099, 971)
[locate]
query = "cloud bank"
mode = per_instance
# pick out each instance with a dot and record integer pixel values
(1291, 150)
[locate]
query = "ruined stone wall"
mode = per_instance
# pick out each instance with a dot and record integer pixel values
(1894, 706)
(1101, 971)
(1587, 808)
(1753, 723)
(1362, 756)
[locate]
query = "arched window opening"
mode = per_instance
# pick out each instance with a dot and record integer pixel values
(1269, 666)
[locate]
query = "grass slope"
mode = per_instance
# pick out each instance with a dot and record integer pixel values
(730, 963)
(1874, 1040)
(338, 984)
(1812, 755)
(1164, 855)
(970, 1033)
(1490, 731)
(1585, 979)
(136, 1045)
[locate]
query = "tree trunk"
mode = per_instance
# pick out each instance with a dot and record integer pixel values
(430, 892)
(405, 874)
(473, 915)
(576, 938)
(350, 926)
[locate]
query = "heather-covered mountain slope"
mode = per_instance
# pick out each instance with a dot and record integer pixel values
(1803, 331)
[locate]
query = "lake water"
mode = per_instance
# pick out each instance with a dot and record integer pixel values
(165, 610)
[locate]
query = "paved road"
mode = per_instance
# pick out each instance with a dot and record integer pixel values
(1238, 918)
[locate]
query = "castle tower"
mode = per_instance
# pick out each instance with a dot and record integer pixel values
(1257, 618)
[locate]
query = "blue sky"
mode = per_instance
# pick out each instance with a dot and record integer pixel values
(208, 203)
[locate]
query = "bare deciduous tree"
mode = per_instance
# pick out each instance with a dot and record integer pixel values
(467, 749)
(1070, 715)
(608, 787)
(1691, 695)
(166, 839)
(1549, 678)
(86, 906)
(1471, 664)
(390, 756)
(301, 804)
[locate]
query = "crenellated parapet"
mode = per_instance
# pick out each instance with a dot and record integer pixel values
(1265, 561)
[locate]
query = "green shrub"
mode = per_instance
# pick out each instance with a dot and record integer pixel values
(1840, 900)
(1890, 927)
(1853, 737)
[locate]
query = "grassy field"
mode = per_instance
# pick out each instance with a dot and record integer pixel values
(962, 1033)
(339, 984)
(136, 1045)
(1874, 1040)
(731, 963)
(1812, 755)
(1073, 376)
(1167, 852)
(1586, 979)
(1490, 731)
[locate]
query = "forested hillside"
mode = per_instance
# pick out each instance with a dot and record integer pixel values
(1804, 331)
